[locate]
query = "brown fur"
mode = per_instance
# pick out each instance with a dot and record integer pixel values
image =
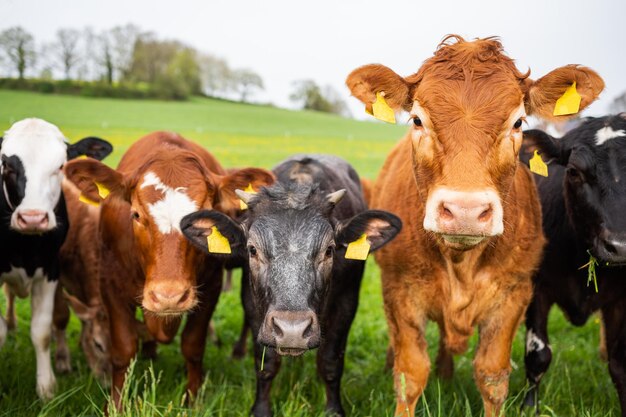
(138, 256)
(469, 91)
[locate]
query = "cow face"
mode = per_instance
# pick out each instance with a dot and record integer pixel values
(594, 184)
(293, 245)
(467, 105)
(155, 198)
(95, 337)
(33, 153)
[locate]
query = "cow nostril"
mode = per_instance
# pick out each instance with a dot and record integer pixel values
(153, 297)
(445, 213)
(184, 297)
(308, 330)
(485, 215)
(610, 248)
(276, 329)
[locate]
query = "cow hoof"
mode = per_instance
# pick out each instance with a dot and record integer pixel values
(335, 412)
(529, 399)
(261, 411)
(62, 364)
(46, 389)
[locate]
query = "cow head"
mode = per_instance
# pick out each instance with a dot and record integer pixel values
(95, 337)
(293, 244)
(594, 183)
(155, 198)
(33, 153)
(467, 104)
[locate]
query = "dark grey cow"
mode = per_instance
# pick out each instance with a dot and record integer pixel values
(583, 202)
(299, 290)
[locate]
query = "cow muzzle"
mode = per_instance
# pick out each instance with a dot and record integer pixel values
(169, 298)
(290, 332)
(31, 221)
(463, 219)
(611, 247)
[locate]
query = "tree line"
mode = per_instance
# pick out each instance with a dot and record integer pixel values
(127, 59)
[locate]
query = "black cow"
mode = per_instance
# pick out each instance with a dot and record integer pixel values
(34, 224)
(299, 290)
(584, 213)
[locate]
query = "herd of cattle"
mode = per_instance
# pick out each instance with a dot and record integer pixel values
(468, 237)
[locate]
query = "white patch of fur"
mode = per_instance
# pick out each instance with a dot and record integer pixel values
(169, 211)
(439, 195)
(607, 133)
(533, 342)
(42, 148)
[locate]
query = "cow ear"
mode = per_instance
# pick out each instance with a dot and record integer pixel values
(543, 94)
(96, 180)
(549, 148)
(378, 226)
(91, 146)
(241, 179)
(82, 311)
(366, 81)
(199, 226)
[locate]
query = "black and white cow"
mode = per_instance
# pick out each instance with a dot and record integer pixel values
(299, 291)
(584, 213)
(33, 224)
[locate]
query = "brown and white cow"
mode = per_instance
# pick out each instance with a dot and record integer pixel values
(472, 232)
(146, 261)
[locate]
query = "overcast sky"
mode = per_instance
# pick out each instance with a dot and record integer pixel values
(324, 40)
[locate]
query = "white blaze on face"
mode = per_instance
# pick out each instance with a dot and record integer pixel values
(175, 204)
(42, 150)
(607, 133)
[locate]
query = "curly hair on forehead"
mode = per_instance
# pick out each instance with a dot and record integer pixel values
(456, 58)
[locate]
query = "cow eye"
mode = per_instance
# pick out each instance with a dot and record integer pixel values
(135, 215)
(329, 251)
(517, 124)
(574, 174)
(252, 251)
(417, 121)
(99, 346)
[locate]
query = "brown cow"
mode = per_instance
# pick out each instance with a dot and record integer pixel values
(146, 261)
(472, 222)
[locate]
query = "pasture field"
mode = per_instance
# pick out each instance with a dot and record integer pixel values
(239, 135)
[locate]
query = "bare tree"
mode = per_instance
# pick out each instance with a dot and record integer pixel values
(215, 74)
(105, 56)
(246, 81)
(122, 41)
(67, 49)
(88, 67)
(19, 47)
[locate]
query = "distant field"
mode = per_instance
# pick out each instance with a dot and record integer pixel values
(577, 384)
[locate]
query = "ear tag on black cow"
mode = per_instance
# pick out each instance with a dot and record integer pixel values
(381, 110)
(358, 249)
(568, 103)
(217, 242)
(103, 192)
(249, 190)
(537, 165)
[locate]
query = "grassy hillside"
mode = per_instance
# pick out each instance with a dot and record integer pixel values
(241, 135)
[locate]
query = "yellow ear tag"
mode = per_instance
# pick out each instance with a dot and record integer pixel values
(249, 190)
(217, 242)
(537, 165)
(103, 191)
(86, 200)
(568, 103)
(381, 110)
(358, 249)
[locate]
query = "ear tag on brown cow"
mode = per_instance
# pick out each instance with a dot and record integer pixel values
(537, 165)
(86, 200)
(217, 242)
(103, 191)
(358, 249)
(568, 103)
(381, 110)
(249, 190)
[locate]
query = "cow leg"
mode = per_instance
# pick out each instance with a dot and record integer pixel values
(124, 345)
(11, 315)
(42, 307)
(445, 359)
(241, 347)
(267, 364)
(193, 341)
(228, 280)
(492, 364)
(61, 317)
(3, 330)
(411, 364)
(538, 351)
(615, 328)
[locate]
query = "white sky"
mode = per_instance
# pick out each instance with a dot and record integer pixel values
(325, 39)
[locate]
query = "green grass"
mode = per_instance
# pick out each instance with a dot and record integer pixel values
(577, 384)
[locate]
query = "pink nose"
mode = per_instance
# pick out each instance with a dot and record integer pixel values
(32, 220)
(169, 299)
(466, 217)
